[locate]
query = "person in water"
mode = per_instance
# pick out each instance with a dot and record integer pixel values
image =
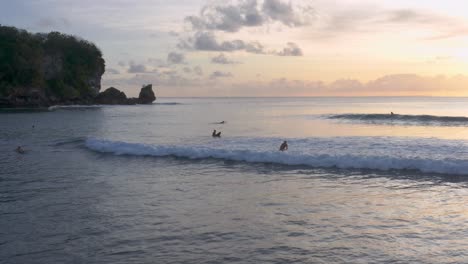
(20, 150)
(284, 146)
(391, 113)
(222, 122)
(214, 134)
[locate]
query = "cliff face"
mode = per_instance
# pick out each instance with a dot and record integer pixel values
(39, 70)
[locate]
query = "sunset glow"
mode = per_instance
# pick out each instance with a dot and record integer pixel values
(267, 48)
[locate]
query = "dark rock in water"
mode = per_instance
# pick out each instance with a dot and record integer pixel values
(132, 101)
(146, 95)
(111, 96)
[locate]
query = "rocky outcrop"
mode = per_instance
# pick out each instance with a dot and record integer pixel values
(113, 96)
(24, 98)
(40, 70)
(146, 95)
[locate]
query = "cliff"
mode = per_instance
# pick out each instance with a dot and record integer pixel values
(39, 70)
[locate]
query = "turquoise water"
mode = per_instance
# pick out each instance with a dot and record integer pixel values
(148, 184)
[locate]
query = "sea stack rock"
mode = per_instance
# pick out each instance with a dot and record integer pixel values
(146, 95)
(111, 96)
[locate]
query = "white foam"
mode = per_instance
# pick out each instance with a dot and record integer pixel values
(403, 119)
(167, 103)
(349, 153)
(56, 107)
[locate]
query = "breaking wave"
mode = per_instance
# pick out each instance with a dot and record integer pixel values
(345, 153)
(168, 103)
(73, 107)
(407, 119)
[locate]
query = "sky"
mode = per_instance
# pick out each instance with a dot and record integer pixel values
(191, 48)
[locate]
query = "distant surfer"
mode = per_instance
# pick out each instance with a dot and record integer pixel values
(20, 150)
(284, 146)
(222, 122)
(214, 134)
(391, 113)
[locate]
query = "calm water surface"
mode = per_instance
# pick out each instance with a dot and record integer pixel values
(148, 184)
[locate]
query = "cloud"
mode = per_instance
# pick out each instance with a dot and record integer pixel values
(168, 72)
(277, 10)
(206, 41)
(175, 58)
(229, 18)
(112, 71)
(173, 33)
(456, 32)
(248, 13)
(222, 59)
(372, 18)
(233, 17)
(291, 50)
(53, 22)
(46, 22)
(219, 74)
(198, 70)
(137, 68)
(389, 85)
(410, 16)
(167, 79)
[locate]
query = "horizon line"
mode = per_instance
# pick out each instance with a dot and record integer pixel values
(337, 96)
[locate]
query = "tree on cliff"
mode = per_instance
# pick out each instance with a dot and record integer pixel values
(55, 65)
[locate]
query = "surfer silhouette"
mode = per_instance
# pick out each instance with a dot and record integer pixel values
(20, 150)
(284, 146)
(214, 134)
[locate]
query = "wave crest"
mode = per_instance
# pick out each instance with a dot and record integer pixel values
(168, 103)
(73, 107)
(379, 161)
(415, 119)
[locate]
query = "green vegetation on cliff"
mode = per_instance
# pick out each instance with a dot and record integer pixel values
(55, 65)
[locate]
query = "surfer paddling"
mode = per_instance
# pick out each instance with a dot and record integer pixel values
(214, 134)
(19, 150)
(284, 146)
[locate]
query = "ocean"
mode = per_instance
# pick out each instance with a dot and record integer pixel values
(149, 184)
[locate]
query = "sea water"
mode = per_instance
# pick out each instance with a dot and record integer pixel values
(148, 184)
